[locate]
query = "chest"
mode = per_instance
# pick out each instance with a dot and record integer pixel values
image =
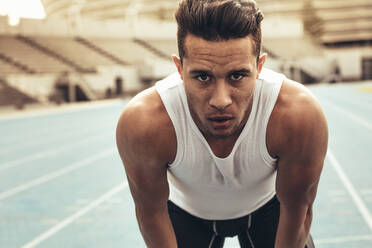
(243, 165)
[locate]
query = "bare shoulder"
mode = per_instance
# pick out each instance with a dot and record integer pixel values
(145, 131)
(297, 122)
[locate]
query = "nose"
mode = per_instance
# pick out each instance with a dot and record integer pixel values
(220, 98)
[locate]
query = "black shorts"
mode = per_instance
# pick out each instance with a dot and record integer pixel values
(256, 230)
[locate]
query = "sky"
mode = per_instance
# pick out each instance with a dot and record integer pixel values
(16, 9)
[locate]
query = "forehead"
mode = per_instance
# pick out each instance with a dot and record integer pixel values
(219, 53)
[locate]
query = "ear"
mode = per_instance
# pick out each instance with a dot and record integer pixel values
(177, 62)
(261, 62)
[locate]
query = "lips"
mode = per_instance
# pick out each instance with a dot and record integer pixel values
(220, 121)
(220, 118)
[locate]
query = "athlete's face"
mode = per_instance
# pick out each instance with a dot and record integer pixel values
(219, 79)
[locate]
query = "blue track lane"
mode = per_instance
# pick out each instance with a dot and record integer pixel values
(52, 166)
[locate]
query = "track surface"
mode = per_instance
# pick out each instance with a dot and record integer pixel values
(62, 183)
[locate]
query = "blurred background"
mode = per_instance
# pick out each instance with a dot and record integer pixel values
(69, 67)
(85, 50)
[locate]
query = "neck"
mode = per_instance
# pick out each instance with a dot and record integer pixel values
(222, 146)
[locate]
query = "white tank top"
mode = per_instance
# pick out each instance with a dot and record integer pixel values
(216, 188)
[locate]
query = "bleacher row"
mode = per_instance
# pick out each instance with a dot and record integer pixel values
(340, 21)
(12, 96)
(21, 54)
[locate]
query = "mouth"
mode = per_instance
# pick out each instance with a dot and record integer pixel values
(220, 122)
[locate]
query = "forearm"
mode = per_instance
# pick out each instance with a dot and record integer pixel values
(293, 230)
(156, 229)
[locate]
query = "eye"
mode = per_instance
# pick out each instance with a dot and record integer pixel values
(236, 76)
(203, 78)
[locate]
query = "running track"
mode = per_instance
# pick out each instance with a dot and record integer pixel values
(62, 183)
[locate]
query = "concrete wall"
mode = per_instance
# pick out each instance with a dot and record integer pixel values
(106, 78)
(156, 69)
(36, 86)
(42, 86)
(274, 29)
(278, 27)
(90, 28)
(350, 60)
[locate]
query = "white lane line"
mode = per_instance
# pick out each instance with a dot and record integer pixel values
(45, 138)
(30, 137)
(49, 152)
(58, 173)
(62, 109)
(359, 104)
(351, 189)
(352, 116)
(366, 192)
(342, 239)
(64, 223)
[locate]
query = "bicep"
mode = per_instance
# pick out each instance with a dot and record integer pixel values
(302, 158)
(145, 168)
(149, 187)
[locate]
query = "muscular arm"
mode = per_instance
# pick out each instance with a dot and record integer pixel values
(301, 156)
(142, 143)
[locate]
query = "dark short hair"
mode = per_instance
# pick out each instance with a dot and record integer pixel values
(217, 20)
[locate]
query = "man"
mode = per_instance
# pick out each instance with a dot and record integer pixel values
(232, 138)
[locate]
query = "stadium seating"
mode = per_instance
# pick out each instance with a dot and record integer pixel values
(7, 67)
(337, 22)
(29, 56)
(127, 50)
(75, 51)
(95, 50)
(11, 96)
(167, 47)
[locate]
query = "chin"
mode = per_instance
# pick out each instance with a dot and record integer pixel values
(221, 136)
(221, 133)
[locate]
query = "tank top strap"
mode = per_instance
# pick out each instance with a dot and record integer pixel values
(271, 83)
(169, 90)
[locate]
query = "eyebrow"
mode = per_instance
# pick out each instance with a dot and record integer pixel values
(195, 72)
(240, 71)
